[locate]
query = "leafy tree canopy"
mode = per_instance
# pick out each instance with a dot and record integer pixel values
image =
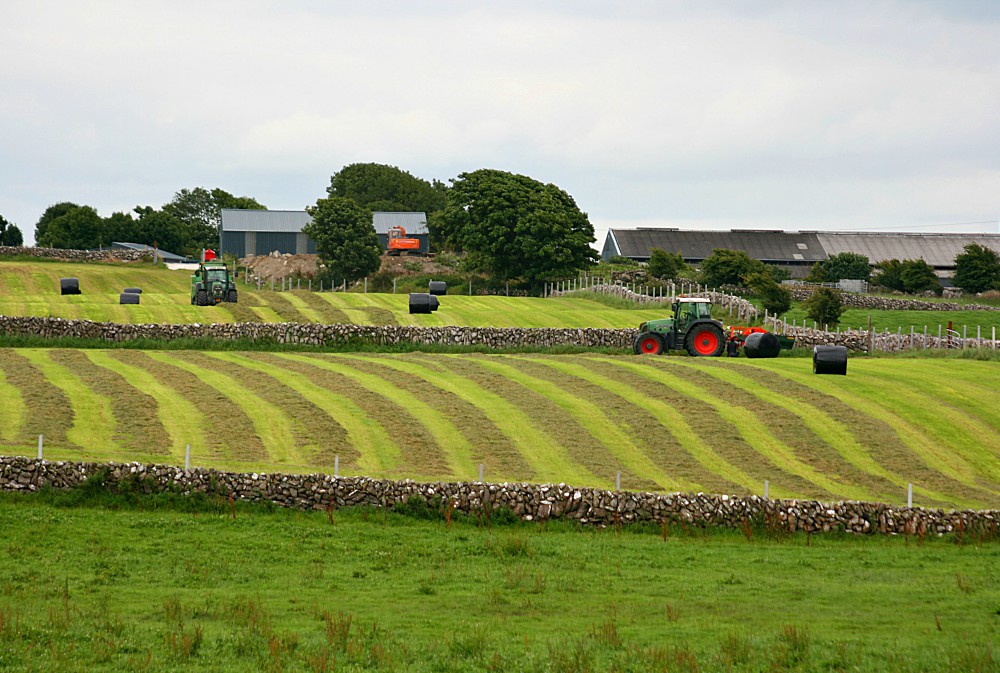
(53, 212)
(345, 238)
(200, 213)
(378, 187)
(824, 306)
(158, 228)
(775, 298)
(76, 228)
(730, 267)
(665, 265)
(977, 269)
(842, 266)
(10, 234)
(909, 275)
(513, 226)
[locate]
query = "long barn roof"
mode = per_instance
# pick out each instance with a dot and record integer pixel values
(796, 247)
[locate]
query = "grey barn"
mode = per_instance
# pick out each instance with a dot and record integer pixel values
(796, 250)
(261, 232)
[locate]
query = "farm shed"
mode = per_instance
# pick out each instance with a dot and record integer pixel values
(161, 255)
(260, 232)
(796, 250)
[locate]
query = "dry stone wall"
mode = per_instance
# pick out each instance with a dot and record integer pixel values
(871, 302)
(530, 502)
(74, 255)
(320, 334)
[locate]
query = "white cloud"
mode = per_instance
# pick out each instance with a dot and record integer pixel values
(802, 115)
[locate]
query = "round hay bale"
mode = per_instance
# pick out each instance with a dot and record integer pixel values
(69, 286)
(830, 360)
(132, 290)
(435, 304)
(420, 302)
(128, 298)
(761, 345)
(437, 287)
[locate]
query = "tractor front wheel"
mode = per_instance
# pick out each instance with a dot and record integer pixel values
(231, 297)
(648, 343)
(705, 341)
(201, 298)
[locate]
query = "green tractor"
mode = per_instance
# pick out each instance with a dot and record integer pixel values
(691, 328)
(211, 284)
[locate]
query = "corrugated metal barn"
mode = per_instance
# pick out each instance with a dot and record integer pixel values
(261, 232)
(796, 250)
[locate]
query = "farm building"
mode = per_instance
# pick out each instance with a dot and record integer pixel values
(260, 232)
(796, 251)
(161, 255)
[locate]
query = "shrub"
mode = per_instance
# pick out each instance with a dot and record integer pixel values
(824, 306)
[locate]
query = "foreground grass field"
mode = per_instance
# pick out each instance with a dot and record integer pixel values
(359, 590)
(667, 423)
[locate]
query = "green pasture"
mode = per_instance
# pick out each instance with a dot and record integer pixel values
(149, 587)
(32, 289)
(663, 423)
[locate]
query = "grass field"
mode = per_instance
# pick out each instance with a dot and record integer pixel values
(157, 589)
(667, 424)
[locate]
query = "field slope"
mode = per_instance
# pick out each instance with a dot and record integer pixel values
(32, 289)
(667, 424)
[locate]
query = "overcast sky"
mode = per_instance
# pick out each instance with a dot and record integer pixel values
(779, 115)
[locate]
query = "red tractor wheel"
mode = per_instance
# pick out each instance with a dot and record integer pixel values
(648, 343)
(705, 340)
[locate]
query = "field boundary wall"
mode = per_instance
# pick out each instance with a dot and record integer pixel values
(530, 502)
(74, 255)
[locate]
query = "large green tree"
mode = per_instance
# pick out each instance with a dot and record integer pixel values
(51, 213)
(10, 234)
(909, 275)
(78, 228)
(842, 266)
(665, 265)
(513, 226)
(379, 187)
(160, 229)
(200, 212)
(977, 269)
(729, 267)
(345, 239)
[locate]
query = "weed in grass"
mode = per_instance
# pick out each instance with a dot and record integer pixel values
(735, 650)
(791, 647)
(963, 584)
(673, 614)
(511, 546)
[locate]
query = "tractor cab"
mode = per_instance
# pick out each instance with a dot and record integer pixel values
(690, 328)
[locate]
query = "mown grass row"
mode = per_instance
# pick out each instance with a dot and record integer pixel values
(666, 424)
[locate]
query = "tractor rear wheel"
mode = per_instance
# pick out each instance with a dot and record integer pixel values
(705, 341)
(201, 298)
(648, 343)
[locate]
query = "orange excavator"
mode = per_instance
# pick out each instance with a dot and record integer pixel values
(399, 243)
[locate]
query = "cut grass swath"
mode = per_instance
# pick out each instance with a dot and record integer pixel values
(549, 460)
(93, 420)
(270, 422)
(137, 426)
(831, 430)
(376, 452)
(457, 450)
(591, 418)
(12, 409)
(182, 420)
(673, 421)
(324, 310)
(748, 426)
(46, 409)
(858, 392)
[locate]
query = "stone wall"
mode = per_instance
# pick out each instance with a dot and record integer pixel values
(871, 302)
(319, 334)
(75, 255)
(531, 502)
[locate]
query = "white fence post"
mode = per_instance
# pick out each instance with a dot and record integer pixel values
(41, 441)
